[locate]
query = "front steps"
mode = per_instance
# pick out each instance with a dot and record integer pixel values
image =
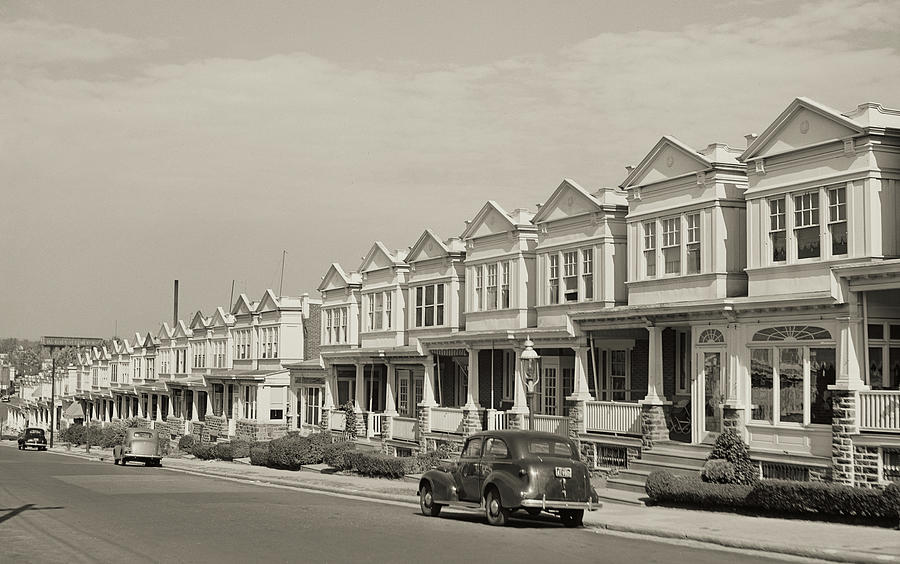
(679, 458)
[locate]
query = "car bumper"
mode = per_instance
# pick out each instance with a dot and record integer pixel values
(141, 457)
(545, 504)
(35, 444)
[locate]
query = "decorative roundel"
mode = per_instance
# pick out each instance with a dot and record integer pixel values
(804, 126)
(430, 247)
(670, 160)
(569, 201)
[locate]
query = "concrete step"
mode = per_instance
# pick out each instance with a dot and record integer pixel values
(609, 495)
(677, 457)
(626, 485)
(674, 467)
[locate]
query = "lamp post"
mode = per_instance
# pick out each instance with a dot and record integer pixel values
(529, 360)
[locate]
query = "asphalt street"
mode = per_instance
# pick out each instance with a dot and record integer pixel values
(56, 508)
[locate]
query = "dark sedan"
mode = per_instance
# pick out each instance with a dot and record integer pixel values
(33, 437)
(502, 471)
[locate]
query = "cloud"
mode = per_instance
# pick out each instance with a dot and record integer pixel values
(212, 165)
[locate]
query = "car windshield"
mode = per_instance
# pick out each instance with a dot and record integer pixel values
(34, 433)
(550, 447)
(143, 435)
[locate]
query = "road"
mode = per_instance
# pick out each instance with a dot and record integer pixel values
(56, 508)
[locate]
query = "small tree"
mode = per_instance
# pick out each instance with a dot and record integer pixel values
(350, 420)
(731, 447)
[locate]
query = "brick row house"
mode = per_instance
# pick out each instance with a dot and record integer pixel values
(714, 288)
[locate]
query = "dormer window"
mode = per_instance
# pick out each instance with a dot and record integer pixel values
(671, 244)
(837, 220)
(693, 243)
(777, 230)
(650, 248)
(806, 225)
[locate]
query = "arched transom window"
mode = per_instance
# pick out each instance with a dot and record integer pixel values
(792, 333)
(710, 336)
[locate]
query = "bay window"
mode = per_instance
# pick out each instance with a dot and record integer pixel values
(806, 225)
(777, 229)
(693, 243)
(650, 249)
(504, 287)
(554, 279)
(671, 244)
(430, 305)
(587, 273)
(837, 220)
(479, 288)
(490, 302)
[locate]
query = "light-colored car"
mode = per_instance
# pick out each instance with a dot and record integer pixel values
(141, 445)
(499, 472)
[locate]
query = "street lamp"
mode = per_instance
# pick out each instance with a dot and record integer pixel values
(529, 360)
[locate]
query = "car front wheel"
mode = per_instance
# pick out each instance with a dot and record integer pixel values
(572, 517)
(494, 510)
(426, 502)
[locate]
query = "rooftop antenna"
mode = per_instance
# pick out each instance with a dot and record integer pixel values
(281, 283)
(231, 301)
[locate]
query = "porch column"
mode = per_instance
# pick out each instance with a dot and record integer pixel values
(428, 383)
(116, 413)
(328, 392)
(195, 405)
(653, 416)
(390, 406)
(360, 399)
(582, 389)
(472, 380)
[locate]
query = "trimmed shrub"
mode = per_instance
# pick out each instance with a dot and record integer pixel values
(186, 443)
(93, 435)
(223, 450)
(73, 434)
(892, 497)
(288, 452)
(318, 444)
(380, 465)
(823, 498)
(259, 454)
(204, 451)
(730, 446)
(718, 471)
(350, 420)
(424, 461)
(240, 448)
(334, 454)
(691, 490)
(658, 484)
(113, 434)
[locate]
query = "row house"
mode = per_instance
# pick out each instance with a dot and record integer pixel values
(718, 288)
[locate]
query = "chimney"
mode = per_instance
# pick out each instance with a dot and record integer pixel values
(175, 318)
(750, 137)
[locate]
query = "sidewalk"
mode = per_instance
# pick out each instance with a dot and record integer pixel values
(827, 541)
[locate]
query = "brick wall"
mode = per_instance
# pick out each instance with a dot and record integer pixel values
(312, 332)
(668, 354)
(639, 368)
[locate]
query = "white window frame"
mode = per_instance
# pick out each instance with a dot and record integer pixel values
(671, 244)
(437, 305)
(837, 216)
(693, 242)
(587, 273)
(651, 261)
(570, 260)
(553, 279)
(807, 217)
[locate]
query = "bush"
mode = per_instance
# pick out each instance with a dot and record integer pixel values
(204, 451)
(112, 435)
(73, 434)
(259, 454)
(240, 448)
(424, 461)
(186, 443)
(350, 420)
(288, 452)
(658, 484)
(380, 465)
(93, 435)
(718, 471)
(223, 450)
(730, 446)
(691, 490)
(318, 444)
(164, 445)
(892, 497)
(334, 454)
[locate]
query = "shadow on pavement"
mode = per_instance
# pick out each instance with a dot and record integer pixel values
(14, 511)
(517, 520)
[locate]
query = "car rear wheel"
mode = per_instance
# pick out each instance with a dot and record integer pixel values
(494, 510)
(426, 501)
(572, 517)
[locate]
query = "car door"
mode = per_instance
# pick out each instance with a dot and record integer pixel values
(469, 469)
(495, 457)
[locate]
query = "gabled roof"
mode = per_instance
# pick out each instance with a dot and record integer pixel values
(268, 301)
(150, 340)
(199, 321)
(138, 340)
(835, 126)
(220, 318)
(651, 170)
(337, 278)
(181, 330)
(380, 257)
(165, 332)
(429, 246)
(516, 219)
(242, 305)
(580, 201)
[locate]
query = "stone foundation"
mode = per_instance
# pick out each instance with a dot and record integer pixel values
(424, 416)
(471, 421)
(256, 431)
(865, 467)
(141, 422)
(733, 419)
(653, 425)
(174, 427)
(843, 429)
(216, 428)
(516, 419)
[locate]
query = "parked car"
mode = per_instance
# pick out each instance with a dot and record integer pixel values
(33, 437)
(502, 471)
(141, 445)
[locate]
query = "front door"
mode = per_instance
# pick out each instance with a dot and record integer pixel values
(709, 394)
(549, 386)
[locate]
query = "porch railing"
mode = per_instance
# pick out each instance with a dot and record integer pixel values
(338, 420)
(447, 419)
(497, 420)
(550, 424)
(374, 425)
(404, 428)
(613, 417)
(879, 410)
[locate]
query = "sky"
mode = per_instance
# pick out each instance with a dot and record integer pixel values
(143, 142)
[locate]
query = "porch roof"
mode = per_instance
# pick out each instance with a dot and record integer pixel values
(152, 387)
(458, 343)
(189, 382)
(373, 354)
(245, 375)
(879, 275)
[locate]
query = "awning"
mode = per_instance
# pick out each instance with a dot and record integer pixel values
(74, 411)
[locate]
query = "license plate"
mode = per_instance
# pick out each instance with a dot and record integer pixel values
(563, 472)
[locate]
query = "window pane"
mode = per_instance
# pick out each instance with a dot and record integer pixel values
(790, 378)
(429, 316)
(673, 260)
(693, 258)
(895, 332)
(779, 247)
(875, 368)
(876, 331)
(893, 378)
(440, 315)
(821, 375)
(839, 239)
(807, 242)
(429, 295)
(761, 375)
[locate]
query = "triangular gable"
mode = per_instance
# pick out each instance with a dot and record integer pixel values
(181, 331)
(803, 123)
(165, 332)
(335, 278)
(491, 219)
(138, 340)
(669, 158)
(241, 306)
(377, 258)
(427, 247)
(268, 302)
(568, 200)
(150, 340)
(198, 321)
(220, 318)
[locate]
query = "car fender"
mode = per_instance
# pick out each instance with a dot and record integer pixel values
(443, 485)
(510, 488)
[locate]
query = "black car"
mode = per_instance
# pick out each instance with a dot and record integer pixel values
(33, 437)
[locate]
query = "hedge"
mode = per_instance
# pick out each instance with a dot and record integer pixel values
(781, 497)
(204, 451)
(334, 455)
(379, 465)
(259, 454)
(186, 443)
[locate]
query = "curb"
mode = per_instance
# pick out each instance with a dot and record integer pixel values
(821, 554)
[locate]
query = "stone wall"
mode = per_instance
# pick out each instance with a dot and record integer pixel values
(653, 425)
(256, 431)
(174, 426)
(843, 429)
(216, 428)
(865, 466)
